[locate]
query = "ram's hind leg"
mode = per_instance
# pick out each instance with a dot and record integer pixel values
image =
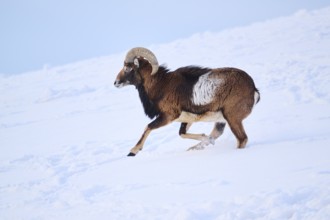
(205, 140)
(237, 128)
(217, 130)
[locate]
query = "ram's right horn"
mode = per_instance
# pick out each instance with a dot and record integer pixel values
(146, 54)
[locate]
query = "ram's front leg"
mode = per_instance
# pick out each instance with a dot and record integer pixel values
(157, 123)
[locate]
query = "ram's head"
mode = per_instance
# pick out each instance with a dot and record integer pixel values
(129, 73)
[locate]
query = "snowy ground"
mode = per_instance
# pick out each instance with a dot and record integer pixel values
(65, 133)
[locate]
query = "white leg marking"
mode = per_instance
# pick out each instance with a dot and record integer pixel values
(203, 144)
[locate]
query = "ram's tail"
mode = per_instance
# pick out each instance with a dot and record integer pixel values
(256, 96)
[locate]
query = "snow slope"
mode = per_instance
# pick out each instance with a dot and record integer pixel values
(65, 133)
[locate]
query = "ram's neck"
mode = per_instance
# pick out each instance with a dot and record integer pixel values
(149, 106)
(151, 91)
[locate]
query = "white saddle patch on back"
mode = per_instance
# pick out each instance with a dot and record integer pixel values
(205, 89)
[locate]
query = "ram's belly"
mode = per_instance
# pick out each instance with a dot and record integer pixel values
(206, 117)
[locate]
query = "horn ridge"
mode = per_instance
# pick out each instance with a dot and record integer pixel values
(146, 54)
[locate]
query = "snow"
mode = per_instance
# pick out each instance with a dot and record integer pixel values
(65, 133)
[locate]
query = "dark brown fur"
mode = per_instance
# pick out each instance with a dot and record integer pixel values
(165, 95)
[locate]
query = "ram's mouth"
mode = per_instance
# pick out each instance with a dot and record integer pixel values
(119, 84)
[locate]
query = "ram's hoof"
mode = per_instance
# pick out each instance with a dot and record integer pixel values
(212, 140)
(199, 146)
(131, 154)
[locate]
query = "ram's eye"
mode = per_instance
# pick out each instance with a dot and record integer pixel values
(127, 69)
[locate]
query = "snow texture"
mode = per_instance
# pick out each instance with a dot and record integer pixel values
(65, 133)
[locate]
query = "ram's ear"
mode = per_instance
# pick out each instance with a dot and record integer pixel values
(136, 62)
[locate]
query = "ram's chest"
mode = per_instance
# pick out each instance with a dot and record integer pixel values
(188, 117)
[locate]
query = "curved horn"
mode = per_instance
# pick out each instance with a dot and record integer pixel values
(145, 53)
